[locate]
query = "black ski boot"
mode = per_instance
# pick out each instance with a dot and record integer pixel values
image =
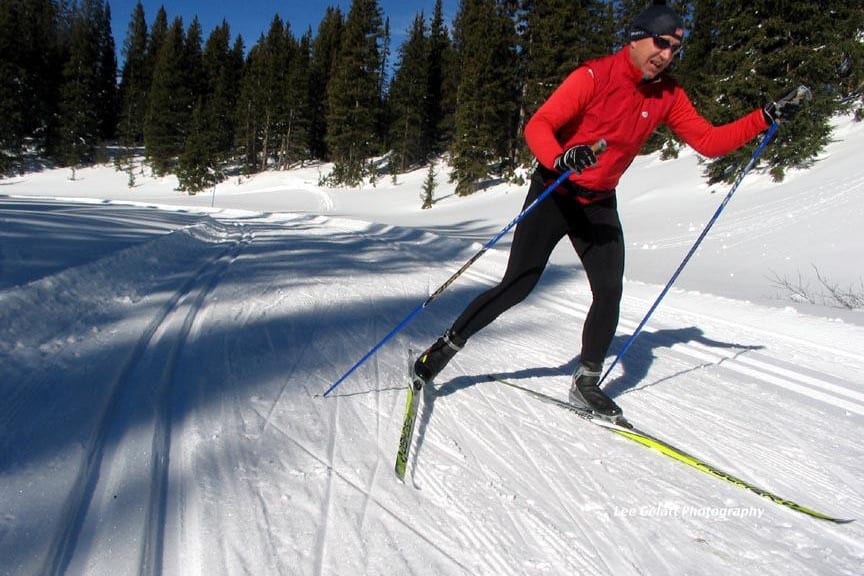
(436, 357)
(585, 392)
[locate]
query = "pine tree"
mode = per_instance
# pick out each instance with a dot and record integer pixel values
(135, 80)
(223, 70)
(556, 37)
(262, 99)
(158, 34)
(757, 52)
(106, 95)
(193, 62)
(80, 122)
(442, 84)
(486, 113)
(325, 51)
(429, 186)
(12, 89)
(31, 68)
(298, 105)
(409, 101)
(169, 103)
(354, 104)
(197, 168)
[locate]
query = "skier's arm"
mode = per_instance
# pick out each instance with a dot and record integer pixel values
(566, 103)
(704, 137)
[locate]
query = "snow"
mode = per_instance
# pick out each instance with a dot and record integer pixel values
(162, 358)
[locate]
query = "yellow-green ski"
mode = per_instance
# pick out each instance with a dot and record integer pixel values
(412, 403)
(625, 429)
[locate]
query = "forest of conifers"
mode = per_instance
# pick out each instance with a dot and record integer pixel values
(206, 108)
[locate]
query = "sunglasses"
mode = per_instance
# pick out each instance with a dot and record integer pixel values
(662, 44)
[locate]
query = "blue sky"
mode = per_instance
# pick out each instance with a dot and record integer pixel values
(251, 18)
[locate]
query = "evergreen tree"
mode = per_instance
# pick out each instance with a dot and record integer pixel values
(758, 51)
(442, 82)
(429, 185)
(31, 66)
(487, 109)
(197, 168)
(556, 37)
(325, 51)
(354, 104)
(106, 95)
(80, 121)
(409, 101)
(135, 80)
(296, 144)
(223, 70)
(158, 34)
(193, 62)
(169, 103)
(262, 98)
(12, 89)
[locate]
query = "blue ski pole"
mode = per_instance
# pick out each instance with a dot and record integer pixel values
(758, 152)
(598, 147)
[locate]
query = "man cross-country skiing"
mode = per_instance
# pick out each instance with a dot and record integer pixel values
(621, 99)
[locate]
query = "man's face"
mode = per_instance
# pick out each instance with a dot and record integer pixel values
(653, 54)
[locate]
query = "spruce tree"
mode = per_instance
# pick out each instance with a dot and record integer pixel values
(429, 186)
(354, 105)
(196, 169)
(169, 103)
(556, 37)
(487, 109)
(261, 105)
(442, 86)
(193, 62)
(135, 80)
(757, 51)
(223, 69)
(106, 95)
(80, 122)
(298, 104)
(31, 68)
(12, 89)
(158, 34)
(409, 101)
(325, 51)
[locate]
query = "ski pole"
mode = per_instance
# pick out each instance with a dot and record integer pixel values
(758, 152)
(597, 147)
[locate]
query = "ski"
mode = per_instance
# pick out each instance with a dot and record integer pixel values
(412, 404)
(627, 430)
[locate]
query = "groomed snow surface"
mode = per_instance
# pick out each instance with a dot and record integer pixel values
(161, 365)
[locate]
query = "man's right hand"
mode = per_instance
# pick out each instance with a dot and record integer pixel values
(576, 158)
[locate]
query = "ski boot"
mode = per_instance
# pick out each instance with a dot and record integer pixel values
(585, 393)
(436, 357)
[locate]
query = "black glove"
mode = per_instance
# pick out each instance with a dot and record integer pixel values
(576, 158)
(786, 107)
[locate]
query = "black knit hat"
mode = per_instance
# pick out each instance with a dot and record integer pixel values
(656, 20)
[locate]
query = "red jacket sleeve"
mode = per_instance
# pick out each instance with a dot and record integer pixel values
(704, 137)
(565, 105)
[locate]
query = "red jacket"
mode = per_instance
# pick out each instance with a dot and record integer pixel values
(607, 98)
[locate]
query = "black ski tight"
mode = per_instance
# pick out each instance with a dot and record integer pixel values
(595, 232)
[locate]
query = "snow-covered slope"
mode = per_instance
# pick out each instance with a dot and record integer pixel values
(161, 371)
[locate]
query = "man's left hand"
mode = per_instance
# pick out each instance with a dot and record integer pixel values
(786, 107)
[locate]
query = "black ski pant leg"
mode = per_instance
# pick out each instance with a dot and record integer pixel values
(535, 237)
(599, 242)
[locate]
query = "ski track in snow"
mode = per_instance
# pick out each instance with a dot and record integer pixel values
(240, 468)
(173, 324)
